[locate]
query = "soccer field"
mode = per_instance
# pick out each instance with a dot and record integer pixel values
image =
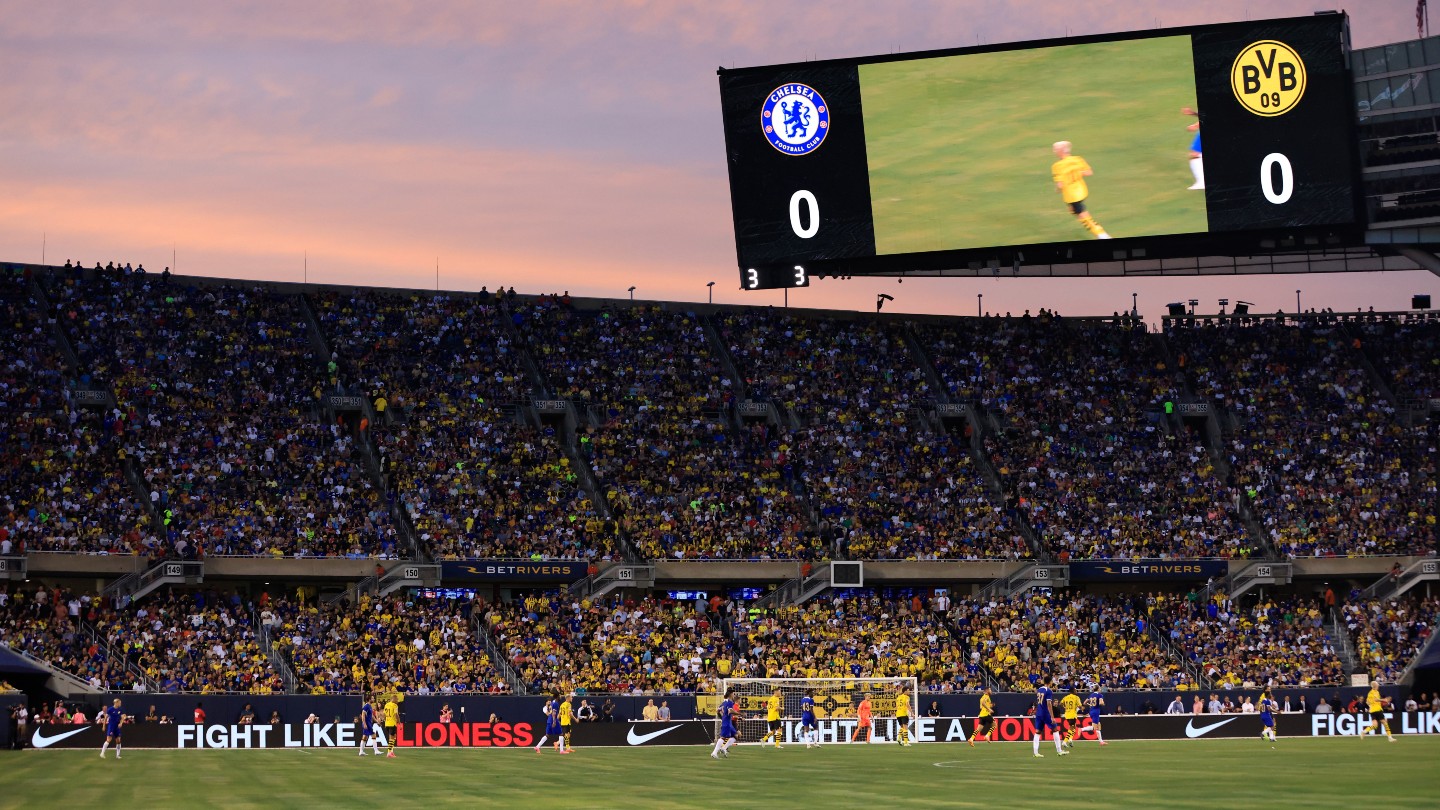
(1209, 774)
(959, 147)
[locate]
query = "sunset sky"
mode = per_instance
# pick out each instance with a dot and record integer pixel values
(547, 145)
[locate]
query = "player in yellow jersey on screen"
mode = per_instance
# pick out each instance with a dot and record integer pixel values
(1069, 172)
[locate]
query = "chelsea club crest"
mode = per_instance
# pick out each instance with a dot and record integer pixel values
(795, 119)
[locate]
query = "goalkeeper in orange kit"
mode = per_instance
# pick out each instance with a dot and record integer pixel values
(862, 714)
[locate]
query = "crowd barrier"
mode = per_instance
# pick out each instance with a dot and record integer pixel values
(702, 732)
(347, 735)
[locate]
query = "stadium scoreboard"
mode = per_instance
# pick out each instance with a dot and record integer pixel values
(1170, 141)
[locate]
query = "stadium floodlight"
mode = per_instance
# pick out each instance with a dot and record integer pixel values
(1194, 302)
(1224, 302)
(632, 293)
(880, 299)
(711, 285)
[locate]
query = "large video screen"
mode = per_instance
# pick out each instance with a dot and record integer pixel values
(1070, 150)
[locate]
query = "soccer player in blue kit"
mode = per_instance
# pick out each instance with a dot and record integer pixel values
(113, 718)
(367, 728)
(1045, 717)
(809, 729)
(1267, 717)
(1197, 157)
(552, 725)
(727, 736)
(1096, 702)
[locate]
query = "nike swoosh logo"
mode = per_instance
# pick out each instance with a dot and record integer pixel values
(41, 741)
(1192, 732)
(641, 739)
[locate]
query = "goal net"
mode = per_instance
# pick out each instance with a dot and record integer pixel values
(836, 705)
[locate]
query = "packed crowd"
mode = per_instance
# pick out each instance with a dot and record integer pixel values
(410, 644)
(1388, 634)
(686, 480)
(62, 485)
(46, 623)
(1081, 640)
(1318, 451)
(887, 485)
(555, 643)
(1085, 446)
(843, 636)
(219, 403)
(200, 641)
(221, 413)
(444, 374)
(1409, 351)
(1275, 642)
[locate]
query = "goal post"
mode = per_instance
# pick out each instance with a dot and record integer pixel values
(837, 701)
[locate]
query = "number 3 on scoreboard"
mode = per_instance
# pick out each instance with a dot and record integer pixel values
(812, 208)
(752, 278)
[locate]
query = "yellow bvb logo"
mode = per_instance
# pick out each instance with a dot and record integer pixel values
(1268, 78)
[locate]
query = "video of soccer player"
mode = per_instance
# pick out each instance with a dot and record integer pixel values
(1057, 144)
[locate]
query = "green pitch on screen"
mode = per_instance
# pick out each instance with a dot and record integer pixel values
(960, 147)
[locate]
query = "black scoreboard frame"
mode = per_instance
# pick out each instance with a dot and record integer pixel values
(770, 211)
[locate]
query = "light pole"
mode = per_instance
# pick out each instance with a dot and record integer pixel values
(1134, 305)
(711, 285)
(632, 293)
(1297, 302)
(979, 301)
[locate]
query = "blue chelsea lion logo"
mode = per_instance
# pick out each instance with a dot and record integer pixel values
(795, 119)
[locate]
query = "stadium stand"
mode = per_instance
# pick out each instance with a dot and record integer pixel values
(1092, 459)
(412, 644)
(446, 378)
(218, 392)
(1082, 641)
(61, 481)
(685, 478)
(1317, 449)
(1388, 634)
(617, 645)
(1280, 641)
(847, 635)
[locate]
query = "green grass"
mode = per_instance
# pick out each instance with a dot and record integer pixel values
(959, 147)
(1208, 774)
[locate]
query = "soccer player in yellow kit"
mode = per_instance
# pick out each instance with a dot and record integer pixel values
(1375, 704)
(987, 718)
(902, 716)
(772, 718)
(1071, 705)
(392, 719)
(1069, 172)
(567, 719)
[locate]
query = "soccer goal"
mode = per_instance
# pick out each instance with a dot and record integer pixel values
(837, 702)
